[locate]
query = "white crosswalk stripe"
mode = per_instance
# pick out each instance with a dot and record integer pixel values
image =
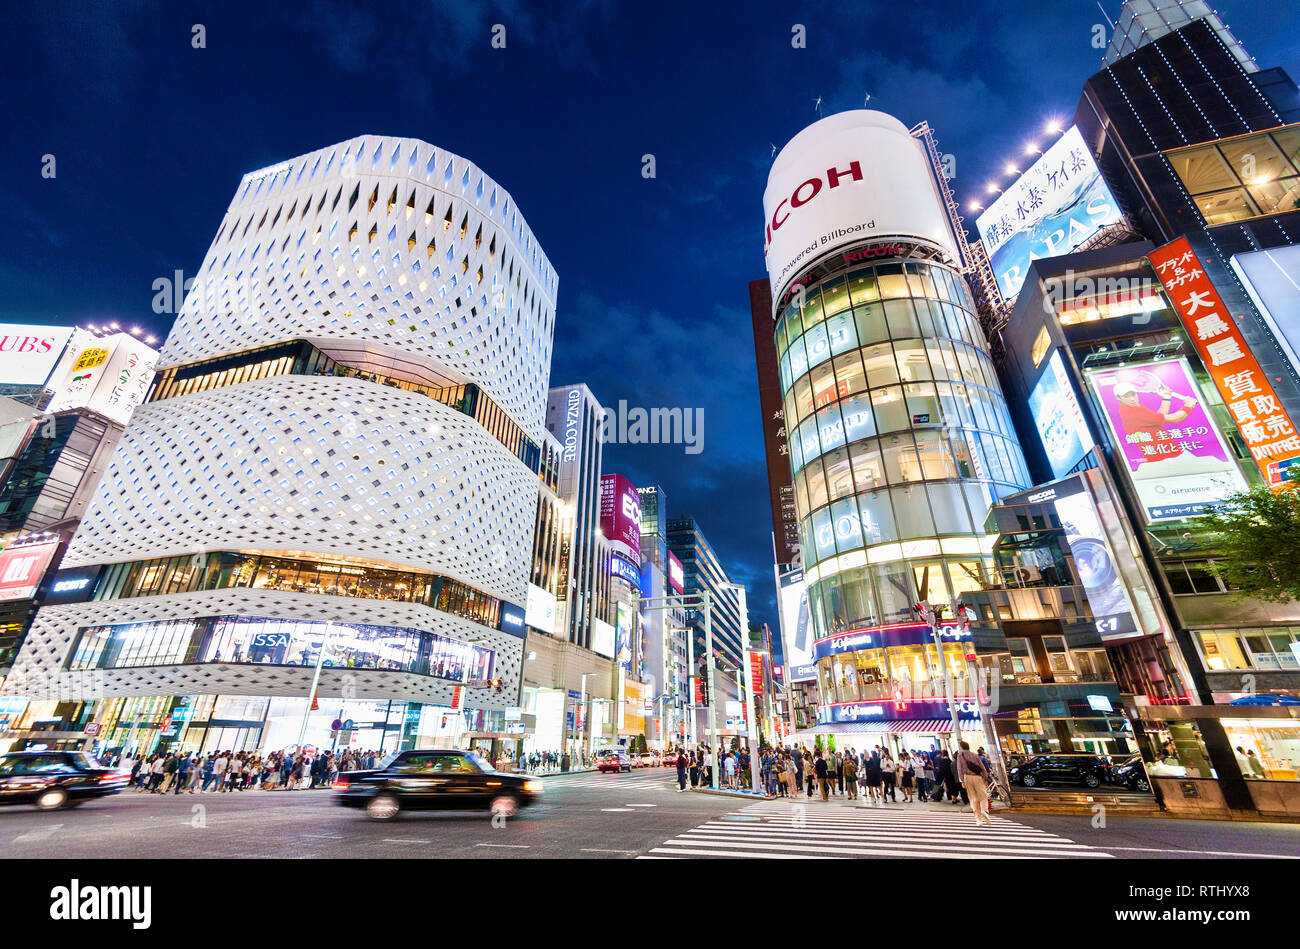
(643, 780)
(778, 829)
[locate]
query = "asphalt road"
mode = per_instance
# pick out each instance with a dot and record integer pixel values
(601, 816)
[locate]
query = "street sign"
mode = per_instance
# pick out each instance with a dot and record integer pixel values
(92, 728)
(336, 725)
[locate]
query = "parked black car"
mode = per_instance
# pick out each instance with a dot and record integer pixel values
(435, 780)
(1132, 774)
(1086, 770)
(55, 779)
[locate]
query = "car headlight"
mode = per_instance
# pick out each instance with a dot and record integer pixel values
(533, 787)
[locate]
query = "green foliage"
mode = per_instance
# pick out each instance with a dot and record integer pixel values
(1256, 535)
(830, 743)
(817, 744)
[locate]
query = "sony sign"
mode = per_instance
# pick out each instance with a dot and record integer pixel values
(850, 177)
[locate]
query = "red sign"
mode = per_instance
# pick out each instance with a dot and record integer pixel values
(21, 569)
(756, 672)
(676, 578)
(620, 514)
(1265, 427)
(699, 691)
(455, 697)
(92, 728)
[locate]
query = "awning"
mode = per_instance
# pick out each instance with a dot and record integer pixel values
(924, 726)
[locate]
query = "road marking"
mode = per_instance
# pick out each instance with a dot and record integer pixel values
(404, 840)
(617, 810)
(594, 850)
(325, 836)
(507, 846)
(642, 805)
(36, 836)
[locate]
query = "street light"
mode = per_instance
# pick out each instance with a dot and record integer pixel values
(315, 682)
(751, 729)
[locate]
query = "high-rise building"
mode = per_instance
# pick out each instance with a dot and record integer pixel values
(335, 476)
(1144, 21)
(664, 631)
(575, 418)
(899, 435)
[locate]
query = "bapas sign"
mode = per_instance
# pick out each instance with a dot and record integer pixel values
(1176, 457)
(620, 515)
(21, 569)
(1060, 202)
(852, 176)
(1266, 428)
(29, 353)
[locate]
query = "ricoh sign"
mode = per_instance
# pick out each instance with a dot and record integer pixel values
(852, 176)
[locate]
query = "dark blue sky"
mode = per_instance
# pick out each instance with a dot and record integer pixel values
(151, 137)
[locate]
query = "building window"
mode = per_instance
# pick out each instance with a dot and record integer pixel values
(1242, 177)
(1042, 343)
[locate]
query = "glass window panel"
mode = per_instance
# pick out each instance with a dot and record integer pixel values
(849, 374)
(902, 319)
(1255, 159)
(835, 297)
(913, 365)
(868, 465)
(1277, 197)
(858, 419)
(815, 483)
(979, 498)
(830, 427)
(842, 334)
(793, 322)
(848, 530)
(1289, 141)
(823, 533)
(798, 358)
(1223, 207)
(880, 365)
(839, 475)
(808, 442)
(901, 463)
(812, 308)
(822, 379)
(895, 590)
(871, 324)
(877, 517)
(949, 508)
(800, 491)
(893, 285)
(817, 344)
(889, 408)
(936, 459)
(962, 457)
(862, 287)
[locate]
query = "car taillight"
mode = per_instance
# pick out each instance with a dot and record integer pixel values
(341, 783)
(110, 776)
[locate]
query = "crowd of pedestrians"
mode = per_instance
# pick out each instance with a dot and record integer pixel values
(196, 772)
(875, 777)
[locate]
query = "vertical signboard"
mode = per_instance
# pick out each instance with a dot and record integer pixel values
(1059, 419)
(1265, 427)
(1175, 456)
(620, 515)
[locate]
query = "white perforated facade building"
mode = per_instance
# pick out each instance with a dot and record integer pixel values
(344, 430)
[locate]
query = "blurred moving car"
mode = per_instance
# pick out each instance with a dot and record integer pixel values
(614, 760)
(670, 759)
(650, 759)
(435, 780)
(55, 779)
(1086, 770)
(1132, 774)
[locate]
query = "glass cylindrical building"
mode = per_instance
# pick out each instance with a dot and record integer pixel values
(899, 436)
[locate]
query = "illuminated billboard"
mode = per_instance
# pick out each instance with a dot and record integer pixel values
(108, 376)
(602, 638)
(796, 630)
(21, 569)
(1094, 560)
(539, 612)
(620, 515)
(1176, 457)
(28, 354)
(676, 578)
(1060, 422)
(1050, 210)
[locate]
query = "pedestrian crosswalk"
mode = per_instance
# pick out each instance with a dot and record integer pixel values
(644, 779)
(781, 829)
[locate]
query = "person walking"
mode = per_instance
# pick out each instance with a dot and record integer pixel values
(851, 776)
(823, 775)
(888, 773)
(907, 775)
(974, 775)
(681, 770)
(182, 779)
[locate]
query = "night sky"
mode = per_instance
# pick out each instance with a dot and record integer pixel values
(151, 137)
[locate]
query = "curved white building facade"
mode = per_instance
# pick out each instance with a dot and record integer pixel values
(337, 466)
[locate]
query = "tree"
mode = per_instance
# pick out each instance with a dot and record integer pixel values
(817, 744)
(1256, 536)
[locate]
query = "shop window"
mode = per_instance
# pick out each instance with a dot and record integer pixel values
(1266, 749)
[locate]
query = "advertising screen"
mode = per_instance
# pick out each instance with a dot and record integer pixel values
(539, 613)
(21, 569)
(29, 353)
(620, 514)
(796, 630)
(1176, 457)
(676, 578)
(1060, 422)
(1095, 562)
(1056, 205)
(602, 638)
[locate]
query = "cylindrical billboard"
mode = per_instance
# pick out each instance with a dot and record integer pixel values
(852, 176)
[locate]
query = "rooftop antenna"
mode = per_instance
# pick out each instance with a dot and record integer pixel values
(867, 99)
(818, 106)
(1106, 15)
(773, 149)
